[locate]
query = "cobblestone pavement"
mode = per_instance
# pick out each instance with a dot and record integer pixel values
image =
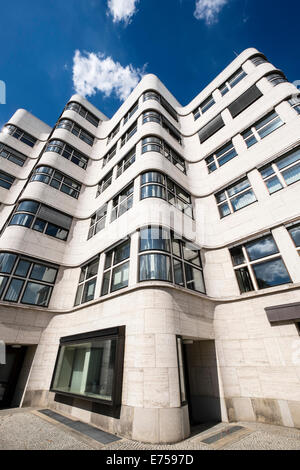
(27, 429)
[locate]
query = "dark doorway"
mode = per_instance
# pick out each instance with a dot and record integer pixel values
(9, 374)
(203, 393)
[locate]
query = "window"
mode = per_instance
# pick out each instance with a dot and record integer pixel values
(98, 221)
(32, 214)
(116, 269)
(276, 78)
(122, 202)
(130, 132)
(113, 133)
(25, 280)
(170, 259)
(211, 128)
(153, 95)
(294, 231)
(262, 128)
(154, 116)
(57, 180)
(20, 135)
(126, 162)
(283, 172)
(220, 157)
(244, 101)
(232, 81)
(90, 366)
(204, 106)
(67, 152)
(12, 155)
(235, 198)
(87, 282)
(294, 101)
(104, 183)
(131, 112)
(154, 144)
(72, 127)
(6, 180)
(258, 266)
(109, 155)
(72, 106)
(155, 184)
(258, 59)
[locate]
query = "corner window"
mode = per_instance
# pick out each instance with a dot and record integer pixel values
(154, 144)
(90, 366)
(57, 180)
(116, 269)
(257, 265)
(67, 152)
(258, 60)
(72, 127)
(12, 155)
(20, 135)
(6, 180)
(83, 112)
(276, 78)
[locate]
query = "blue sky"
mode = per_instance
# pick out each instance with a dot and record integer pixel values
(185, 42)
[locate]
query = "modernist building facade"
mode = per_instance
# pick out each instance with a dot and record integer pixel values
(149, 263)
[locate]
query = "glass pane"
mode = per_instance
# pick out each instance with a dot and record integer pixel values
(244, 280)
(295, 234)
(24, 220)
(154, 238)
(261, 248)
(39, 225)
(78, 295)
(181, 370)
(292, 174)
(36, 294)
(89, 290)
(28, 206)
(271, 273)
(243, 200)
(92, 269)
(178, 272)
(288, 159)
(194, 278)
(13, 292)
(153, 190)
(105, 283)
(191, 253)
(43, 273)
(7, 262)
(120, 276)
(22, 268)
(270, 127)
(237, 188)
(155, 266)
(122, 252)
(273, 185)
(3, 281)
(237, 256)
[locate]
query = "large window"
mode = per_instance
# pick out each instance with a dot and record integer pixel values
(87, 282)
(20, 135)
(257, 265)
(109, 155)
(232, 81)
(165, 257)
(116, 269)
(12, 155)
(98, 221)
(155, 184)
(275, 78)
(129, 133)
(220, 157)
(153, 95)
(90, 366)
(154, 144)
(26, 280)
(67, 152)
(154, 116)
(72, 127)
(72, 106)
(126, 162)
(204, 106)
(104, 183)
(43, 219)
(262, 128)
(258, 59)
(57, 180)
(235, 197)
(6, 180)
(122, 202)
(283, 172)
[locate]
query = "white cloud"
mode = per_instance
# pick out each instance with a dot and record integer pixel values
(122, 10)
(94, 72)
(208, 10)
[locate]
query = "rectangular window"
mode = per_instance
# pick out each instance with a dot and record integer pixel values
(295, 103)
(98, 221)
(204, 106)
(67, 152)
(294, 232)
(257, 265)
(113, 133)
(104, 183)
(262, 128)
(131, 112)
(20, 135)
(6, 180)
(109, 155)
(12, 155)
(211, 128)
(26, 281)
(116, 269)
(130, 132)
(90, 366)
(122, 202)
(283, 172)
(87, 282)
(126, 162)
(220, 157)
(57, 180)
(244, 101)
(72, 106)
(72, 127)
(232, 81)
(235, 197)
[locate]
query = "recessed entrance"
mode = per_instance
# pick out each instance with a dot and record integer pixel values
(10, 373)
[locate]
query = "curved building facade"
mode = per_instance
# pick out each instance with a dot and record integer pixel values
(149, 263)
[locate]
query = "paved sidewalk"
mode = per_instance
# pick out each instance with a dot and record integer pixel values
(28, 429)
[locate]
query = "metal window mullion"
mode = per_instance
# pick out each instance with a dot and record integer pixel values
(279, 175)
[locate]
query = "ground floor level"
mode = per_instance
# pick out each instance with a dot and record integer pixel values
(151, 364)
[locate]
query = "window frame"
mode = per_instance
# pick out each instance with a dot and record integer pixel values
(85, 281)
(228, 198)
(198, 112)
(72, 153)
(113, 266)
(83, 112)
(255, 133)
(52, 177)
(220, 153)
(83, 134)
(159, 145)
(120, 202)
(20, 135)
(12, 154)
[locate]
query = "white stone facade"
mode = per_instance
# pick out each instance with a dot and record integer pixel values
(235, 358)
